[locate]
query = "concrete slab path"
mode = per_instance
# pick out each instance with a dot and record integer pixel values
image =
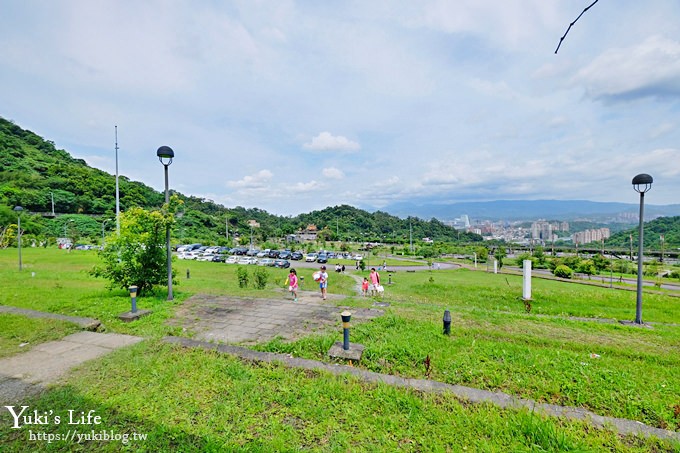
(228, 319)
(30, 372)
(84, 323)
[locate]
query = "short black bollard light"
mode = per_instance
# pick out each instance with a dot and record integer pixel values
(302, 280)
(345, 329)
(133, 296)
(188, 274)
(447, 322)
(389, 282)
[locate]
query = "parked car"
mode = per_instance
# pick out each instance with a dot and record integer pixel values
(274, 254)
(252, 252)
(285, 255)
(238, 251)
(296, 256)
(283, 264)
(265, 262)
(322, 258)
(218, 258)
(311, 257)
(211, 250)
(233, 259)
(244, 260)
(263, 253)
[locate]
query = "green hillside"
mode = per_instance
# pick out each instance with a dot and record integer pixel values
(669, 227)
(32, 170)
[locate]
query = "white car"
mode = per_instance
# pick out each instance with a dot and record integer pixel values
(266, 262)
(205, 257)
(311, 257)
(211, 250)
(244, 260)
(233, 259)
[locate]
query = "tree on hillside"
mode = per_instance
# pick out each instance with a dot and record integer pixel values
(138, 255)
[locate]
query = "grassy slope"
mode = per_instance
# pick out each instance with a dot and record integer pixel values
(226, 403)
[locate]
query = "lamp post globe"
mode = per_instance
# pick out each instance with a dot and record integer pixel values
(641, 183)
(165, 155)
(18, 210)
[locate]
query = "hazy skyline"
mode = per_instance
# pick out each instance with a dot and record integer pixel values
(295, 106)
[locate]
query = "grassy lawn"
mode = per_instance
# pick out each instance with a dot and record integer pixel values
(196, 400)
(19, 333)
(192, 400)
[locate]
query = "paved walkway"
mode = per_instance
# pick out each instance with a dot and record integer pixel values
(28, 373)
(230, 319)
(84, 323)
(473, 395)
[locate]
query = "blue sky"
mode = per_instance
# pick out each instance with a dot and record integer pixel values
(294, 106)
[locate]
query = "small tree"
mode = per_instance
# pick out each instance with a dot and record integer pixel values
(587, 267)
(138, 256)
(563, 271)
(260, 277)
(242, 276)
(500, 253)
(482, 253)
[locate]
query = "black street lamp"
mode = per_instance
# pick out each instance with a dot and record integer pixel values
(165, 152)
(18, 210)
(641, 183)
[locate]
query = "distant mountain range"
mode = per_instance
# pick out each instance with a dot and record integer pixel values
(531, 210)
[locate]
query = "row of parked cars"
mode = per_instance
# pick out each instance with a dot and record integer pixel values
(242, 255)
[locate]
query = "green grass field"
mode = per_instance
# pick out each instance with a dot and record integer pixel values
(200, 401)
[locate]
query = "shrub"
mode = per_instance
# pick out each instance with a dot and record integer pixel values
(260, 277)
(243, 277)
(563, 271)
(587, 267)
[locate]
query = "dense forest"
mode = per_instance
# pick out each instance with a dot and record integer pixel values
(33, 172)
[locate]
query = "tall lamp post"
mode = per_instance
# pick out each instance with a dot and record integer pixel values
(165, 155)
(641, 183)
(18, 210)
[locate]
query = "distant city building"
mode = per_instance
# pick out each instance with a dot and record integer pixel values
(542, 230)
(587, 236)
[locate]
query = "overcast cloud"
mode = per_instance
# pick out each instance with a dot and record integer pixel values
(292, 106)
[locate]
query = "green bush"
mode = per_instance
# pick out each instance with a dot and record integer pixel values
(243, 277)
(563, 271)
(260, 277)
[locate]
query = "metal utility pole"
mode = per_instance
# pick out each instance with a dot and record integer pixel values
(117, 191)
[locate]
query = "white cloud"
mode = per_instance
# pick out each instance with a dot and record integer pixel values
(332, 173)
(648, 69)
(327, 141)
(306, 187)
(257, 181)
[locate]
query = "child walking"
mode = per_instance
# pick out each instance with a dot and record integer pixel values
(364, 287)
(293, 284)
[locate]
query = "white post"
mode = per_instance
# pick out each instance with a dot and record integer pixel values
(475, 259)
(526, 287)
(495, 266)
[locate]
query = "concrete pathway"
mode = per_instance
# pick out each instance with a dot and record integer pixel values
(504, 400)
(84, 323)
(229, 319)
(30, 372)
